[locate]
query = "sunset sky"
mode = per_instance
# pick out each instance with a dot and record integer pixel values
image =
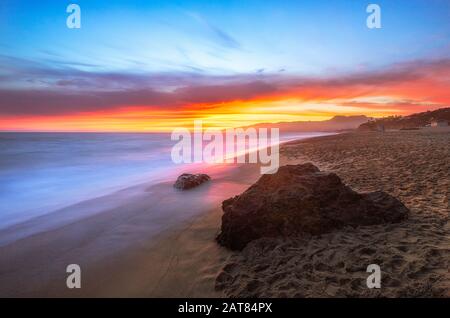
(155, 65)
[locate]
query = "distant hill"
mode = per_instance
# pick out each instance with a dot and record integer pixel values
(334, 124)
(408, 122)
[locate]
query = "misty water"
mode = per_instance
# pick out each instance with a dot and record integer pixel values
(43, 172)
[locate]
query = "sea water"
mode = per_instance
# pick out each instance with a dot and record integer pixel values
(43, 172)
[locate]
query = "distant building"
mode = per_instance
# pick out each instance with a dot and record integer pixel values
(439, 123)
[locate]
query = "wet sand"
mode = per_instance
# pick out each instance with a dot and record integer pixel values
(156, 242)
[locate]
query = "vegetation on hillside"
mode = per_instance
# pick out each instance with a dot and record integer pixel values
(407, 122)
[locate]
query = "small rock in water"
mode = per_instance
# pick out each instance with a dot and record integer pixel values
(188, 181)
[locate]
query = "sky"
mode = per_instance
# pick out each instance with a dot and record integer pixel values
(158, 65)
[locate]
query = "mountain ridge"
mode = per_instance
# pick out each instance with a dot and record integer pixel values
(336, 123)
(416, 120)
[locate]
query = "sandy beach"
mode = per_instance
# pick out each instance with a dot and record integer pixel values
(119, 258)
(413, 255)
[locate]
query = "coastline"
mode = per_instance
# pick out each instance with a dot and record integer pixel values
(126, 250)
(114, 238)
(119, 257)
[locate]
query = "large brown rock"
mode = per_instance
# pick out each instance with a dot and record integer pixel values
(298, 200)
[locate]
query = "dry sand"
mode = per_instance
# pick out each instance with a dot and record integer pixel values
(119, 257)
(413, 255)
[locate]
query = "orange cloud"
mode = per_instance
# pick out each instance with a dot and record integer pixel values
(401, 89)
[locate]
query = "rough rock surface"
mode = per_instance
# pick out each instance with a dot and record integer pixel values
(299, 200)
(188, 181)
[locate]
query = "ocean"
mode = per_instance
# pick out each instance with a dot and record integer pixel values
(43, 172)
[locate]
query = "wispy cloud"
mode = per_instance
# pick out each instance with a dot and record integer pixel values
(401, 87)
(220, 36)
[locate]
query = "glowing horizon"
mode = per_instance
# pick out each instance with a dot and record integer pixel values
(154, 66)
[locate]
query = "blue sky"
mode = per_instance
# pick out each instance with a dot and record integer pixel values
(172, 54)
(224, 37)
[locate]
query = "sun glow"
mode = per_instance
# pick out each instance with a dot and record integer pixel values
(220, 116)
